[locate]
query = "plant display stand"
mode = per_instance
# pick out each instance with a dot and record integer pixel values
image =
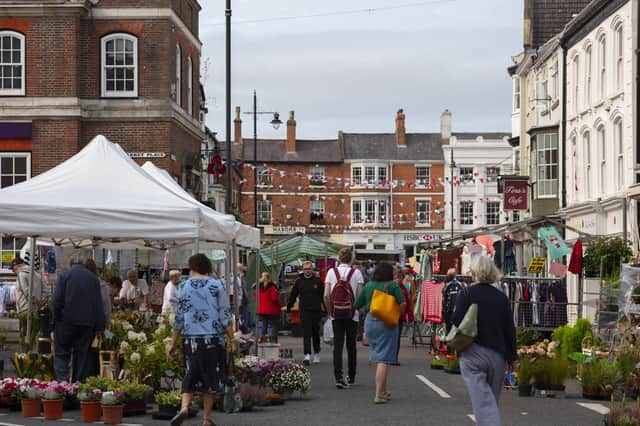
(108, 364)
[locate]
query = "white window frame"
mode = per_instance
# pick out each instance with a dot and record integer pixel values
(382, 219)
(265, 178)
(370, 175)
(178, 75)
(382, 174)
(190, 86)
(492, 173)
(103, 67)
(465, 177)
(602, 66)
(516, 94)
(619, 36)
(576, 83)
(368, 206)
(465, 212)
(316, 206)
(423, 180)
(555, 81)
(356, 181)
(357, 217)
(317, 172)
(546, 185)
(21, 64)
(601, 134)
(425, 220)
(588, 81)
(586, 143)
(265, 209)
(493, 212)
(618, 134)
(13, 155)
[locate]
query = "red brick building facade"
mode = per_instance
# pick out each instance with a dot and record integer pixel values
(73, 69)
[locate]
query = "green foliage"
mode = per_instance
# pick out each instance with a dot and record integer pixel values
(600, 373)
(525, 371)
(610, 252)
(549, 372)
(172, 398)
(570, 338)
(101, 383)
(627, 360)
(135, 391)
(527, 337)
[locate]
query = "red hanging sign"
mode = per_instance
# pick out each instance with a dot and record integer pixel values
(516, 194)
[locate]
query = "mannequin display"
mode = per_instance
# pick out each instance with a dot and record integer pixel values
(466, 262)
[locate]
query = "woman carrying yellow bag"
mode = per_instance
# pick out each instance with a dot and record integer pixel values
(383, 297)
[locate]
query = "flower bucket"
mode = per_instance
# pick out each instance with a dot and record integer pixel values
(52, 409)
(31, 407)
(112, 414)
(269, 351)
(90, 411)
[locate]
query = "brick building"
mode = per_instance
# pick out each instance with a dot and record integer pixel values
(73, 69)
(380, 192)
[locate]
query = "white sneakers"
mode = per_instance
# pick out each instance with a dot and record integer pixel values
(316, 358)
(307, 359)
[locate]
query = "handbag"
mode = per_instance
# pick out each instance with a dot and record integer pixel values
(385, 307)
(461, 337)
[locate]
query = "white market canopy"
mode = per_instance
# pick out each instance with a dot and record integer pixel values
(246, 236)
(101, 193)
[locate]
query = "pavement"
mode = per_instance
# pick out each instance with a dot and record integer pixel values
(420, 396)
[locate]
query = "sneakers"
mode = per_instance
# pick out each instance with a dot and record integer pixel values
(307, 359)
(380, 400)
(342, 384)
(351, 381)
(316, 358)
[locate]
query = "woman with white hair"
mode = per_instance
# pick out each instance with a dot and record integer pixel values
(170, 298)
(483, 364)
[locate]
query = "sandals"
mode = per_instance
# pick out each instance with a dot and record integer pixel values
(179, 418)
(208, 422)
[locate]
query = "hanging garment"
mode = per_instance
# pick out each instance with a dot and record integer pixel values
(433, 305)
(450, 259)
(475, 249)
(449, 295)
(575, 264)
(534, 303)
(509, 257)
(466, 261)
(555, 244)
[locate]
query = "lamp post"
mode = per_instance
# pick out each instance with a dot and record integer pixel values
(276, 122)
(227, 13)
(453, 165)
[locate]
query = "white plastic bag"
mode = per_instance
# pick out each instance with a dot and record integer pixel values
(327, 332)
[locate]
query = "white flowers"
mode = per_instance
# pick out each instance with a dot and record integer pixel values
(135, 357)
(126, 326)
(133, 336)
(151, 350)
(160, 329)
(124, 346)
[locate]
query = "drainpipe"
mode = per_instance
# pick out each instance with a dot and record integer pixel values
(564, 126)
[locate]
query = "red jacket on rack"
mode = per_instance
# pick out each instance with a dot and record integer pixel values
(269, 300)
(408, 313)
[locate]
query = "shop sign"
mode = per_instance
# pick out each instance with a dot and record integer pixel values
(147, 154)
(516, 194)
(284, 230)
(421, 237)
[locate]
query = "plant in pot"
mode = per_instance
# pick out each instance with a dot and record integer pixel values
(591, 379)
(525, 373)
(610, 379)
(135, 398)
(112, 403)
(623, 414)
(31, 400)
(168, 404)
(53, 400)
(90, 398)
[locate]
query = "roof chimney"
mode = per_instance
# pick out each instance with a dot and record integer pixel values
(238, 126)
(401, 132)
(445, 124)
(291, 132)
(528, 24)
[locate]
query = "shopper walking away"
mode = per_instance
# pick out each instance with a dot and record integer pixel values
(407, 317)
(449, 297)
(202, 319)
(382, 337)
(243, 309)
(23, 273)
(310, 289)
(135, 289)
(78, 317)
(269, 306)
(105, 297)
(483, 364)
(342, 286)
(170, 295)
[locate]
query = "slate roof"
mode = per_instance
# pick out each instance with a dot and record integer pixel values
(383, 146)
(307, 151)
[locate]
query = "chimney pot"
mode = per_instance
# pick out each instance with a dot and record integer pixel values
(291, 132)
(445, 124)
(238, 126)
(401, 132)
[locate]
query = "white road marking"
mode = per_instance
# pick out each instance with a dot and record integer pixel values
(9, 424)
(598, 408)
(472, 417)
(433, 387)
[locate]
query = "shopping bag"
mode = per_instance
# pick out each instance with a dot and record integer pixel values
(385, 307)
(327, 332)
(462, 336)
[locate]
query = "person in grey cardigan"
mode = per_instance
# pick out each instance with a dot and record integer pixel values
(78, 317)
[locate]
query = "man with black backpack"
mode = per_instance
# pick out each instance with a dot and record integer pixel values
(342, 285)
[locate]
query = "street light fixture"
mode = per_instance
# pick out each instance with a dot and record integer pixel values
(275, 122)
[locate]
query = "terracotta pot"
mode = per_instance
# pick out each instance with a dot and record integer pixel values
(31, 407)
(90, 411)
(112, 414)
(52, 408)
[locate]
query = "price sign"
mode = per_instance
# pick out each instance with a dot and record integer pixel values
(536, 265)
(7, 257)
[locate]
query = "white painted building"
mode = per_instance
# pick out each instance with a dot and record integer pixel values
(478, 163)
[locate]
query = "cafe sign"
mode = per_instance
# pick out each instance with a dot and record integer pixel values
(516, 194)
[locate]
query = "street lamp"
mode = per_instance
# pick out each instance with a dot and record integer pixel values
(227, 13)
(453, 165)
(275, 122)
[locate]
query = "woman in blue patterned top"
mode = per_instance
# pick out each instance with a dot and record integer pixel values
(202, 319)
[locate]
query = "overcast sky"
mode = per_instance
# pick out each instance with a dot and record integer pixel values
(353, 71)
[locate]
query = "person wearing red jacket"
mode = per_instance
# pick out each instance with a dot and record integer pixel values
(269, 306)
(407, 316)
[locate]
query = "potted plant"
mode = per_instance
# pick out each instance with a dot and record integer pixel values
(112, 407)
(525, 368)
(623, 414)
(252, 395)
(90, 403)
(135, 395)
(31, 400)
(52, 400)
(610, 379)
(168, 403)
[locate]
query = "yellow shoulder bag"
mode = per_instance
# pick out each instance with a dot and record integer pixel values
(385, 307)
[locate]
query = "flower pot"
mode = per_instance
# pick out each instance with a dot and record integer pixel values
(589, 393)
(52, 409)
(31, 407)
(135, 408)
(90, 411)
(525, 390)
(71, 403)
(112, 414)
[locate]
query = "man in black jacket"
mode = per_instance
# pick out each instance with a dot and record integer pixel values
(79, 317)
(310, 289)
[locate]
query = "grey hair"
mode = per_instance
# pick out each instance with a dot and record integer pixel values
(484, 271)
(76, 259)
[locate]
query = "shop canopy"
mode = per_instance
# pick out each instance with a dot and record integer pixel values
(294, 248)
(100, 193)
(246, 236)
